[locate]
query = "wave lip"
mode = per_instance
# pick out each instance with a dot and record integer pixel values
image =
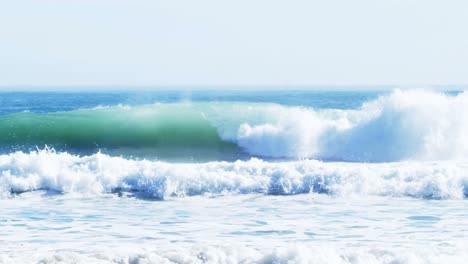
(100, 173)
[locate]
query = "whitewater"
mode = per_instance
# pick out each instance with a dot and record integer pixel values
(234, 177)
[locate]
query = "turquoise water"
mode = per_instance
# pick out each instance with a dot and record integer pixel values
(233, 177)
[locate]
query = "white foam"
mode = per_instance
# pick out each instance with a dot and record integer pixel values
(100, 173)
(298, 253)
(404, 125)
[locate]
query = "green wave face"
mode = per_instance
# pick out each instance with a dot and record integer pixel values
(162, 131)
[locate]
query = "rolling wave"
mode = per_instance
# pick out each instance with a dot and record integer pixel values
(404, 125)
(100, 173)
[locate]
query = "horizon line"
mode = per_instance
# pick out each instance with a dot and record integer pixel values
(234, 87)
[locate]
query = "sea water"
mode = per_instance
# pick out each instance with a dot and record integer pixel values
(234, 177)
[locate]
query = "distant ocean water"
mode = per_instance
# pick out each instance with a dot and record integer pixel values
(234, 177)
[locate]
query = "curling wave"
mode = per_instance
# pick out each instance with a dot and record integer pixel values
(404, 125)
(100, 173)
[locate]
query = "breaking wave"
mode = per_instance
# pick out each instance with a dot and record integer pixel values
(403, 125)
(100, 173)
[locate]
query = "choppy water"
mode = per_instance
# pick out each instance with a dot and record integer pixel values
(233, 177)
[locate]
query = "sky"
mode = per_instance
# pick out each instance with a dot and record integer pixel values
(233, 43)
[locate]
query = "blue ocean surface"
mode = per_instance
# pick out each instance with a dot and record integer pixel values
(233, 176)
(54, 101)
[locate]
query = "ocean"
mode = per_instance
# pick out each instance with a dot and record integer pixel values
(234, 176)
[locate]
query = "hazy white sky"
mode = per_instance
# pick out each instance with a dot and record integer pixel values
(237, 42)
